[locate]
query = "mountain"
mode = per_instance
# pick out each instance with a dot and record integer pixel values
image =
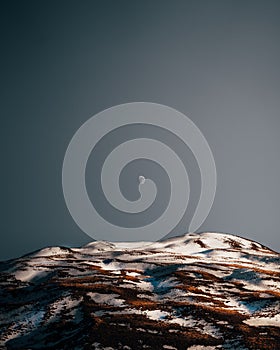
(197, 291)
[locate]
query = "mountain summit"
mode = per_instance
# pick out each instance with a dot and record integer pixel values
(197, 291)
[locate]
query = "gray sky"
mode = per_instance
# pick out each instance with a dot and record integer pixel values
(64, 61)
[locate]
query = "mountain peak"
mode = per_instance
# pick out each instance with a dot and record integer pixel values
(189, 243)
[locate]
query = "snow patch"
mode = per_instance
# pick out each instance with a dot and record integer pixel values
(273, 321)
(108, 299)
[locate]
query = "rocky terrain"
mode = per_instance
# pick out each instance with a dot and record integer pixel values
(197, 291)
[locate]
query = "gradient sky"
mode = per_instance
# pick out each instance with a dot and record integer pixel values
(63, 61)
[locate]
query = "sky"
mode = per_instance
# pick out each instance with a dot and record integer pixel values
(64, 61)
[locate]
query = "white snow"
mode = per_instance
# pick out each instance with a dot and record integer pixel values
(156, 314)
(133, 274)
(201, 347)
(109, 299)
(66, 304)
(264, 321)
(30, 274)
(49, 251)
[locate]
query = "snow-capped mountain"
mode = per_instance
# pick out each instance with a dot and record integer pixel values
(197, 291)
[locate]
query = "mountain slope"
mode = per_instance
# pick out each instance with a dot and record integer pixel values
(197, 291)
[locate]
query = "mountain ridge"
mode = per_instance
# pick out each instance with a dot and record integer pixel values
(205, 290)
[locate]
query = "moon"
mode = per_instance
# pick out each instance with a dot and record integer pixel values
(141, 179)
